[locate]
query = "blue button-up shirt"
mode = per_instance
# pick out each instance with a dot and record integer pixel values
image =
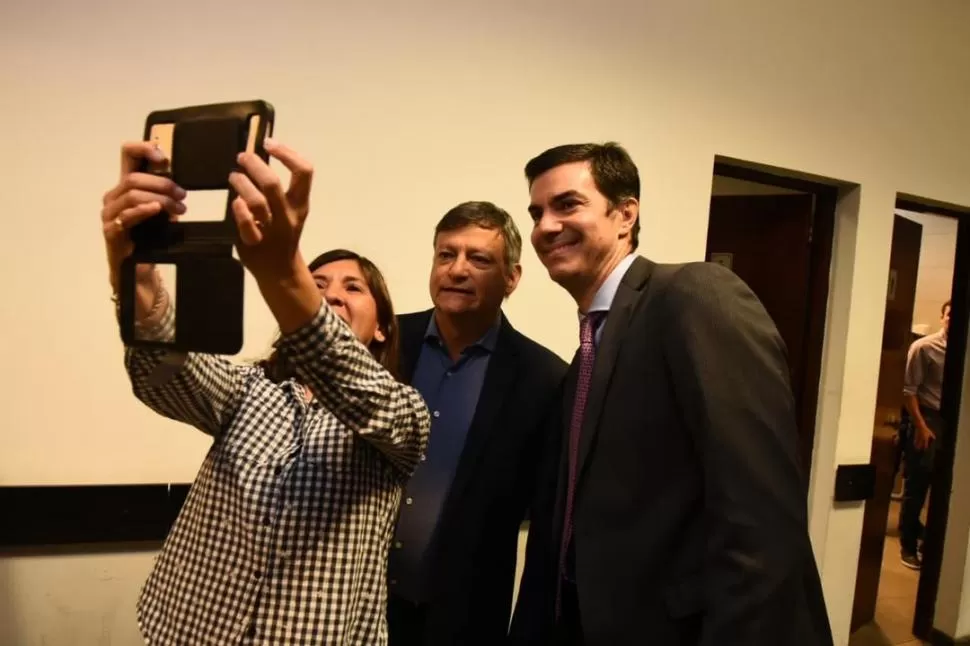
(451, 390)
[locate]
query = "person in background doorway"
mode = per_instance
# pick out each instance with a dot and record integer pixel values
(922, 391)
(452, 566)
(678, 503)
(284, 536)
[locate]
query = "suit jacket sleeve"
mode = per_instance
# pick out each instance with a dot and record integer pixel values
(731, 382)
(534, 609)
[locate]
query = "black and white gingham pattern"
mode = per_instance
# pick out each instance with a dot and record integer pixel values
(284, 536)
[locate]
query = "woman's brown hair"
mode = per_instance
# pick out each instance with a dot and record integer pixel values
(387, 352)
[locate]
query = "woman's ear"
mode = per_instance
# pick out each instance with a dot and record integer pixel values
(379, 335)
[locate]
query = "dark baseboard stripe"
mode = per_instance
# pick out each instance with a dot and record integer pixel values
(88, 515)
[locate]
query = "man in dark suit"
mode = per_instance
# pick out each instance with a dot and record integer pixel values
(678, 508)
(452, 564)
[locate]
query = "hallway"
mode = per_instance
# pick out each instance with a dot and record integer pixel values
(897, 596)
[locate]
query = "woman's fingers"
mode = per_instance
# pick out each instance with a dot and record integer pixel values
(249, 228)
(145, 182)
(255, 201)
(301, 171)
(138, 214)
(134, 153)
(266, 181)
(135, 197)
(120, 223)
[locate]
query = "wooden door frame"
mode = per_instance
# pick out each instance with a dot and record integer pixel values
(942, 479)
(820, 258)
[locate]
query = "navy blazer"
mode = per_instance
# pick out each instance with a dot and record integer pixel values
(474, 550)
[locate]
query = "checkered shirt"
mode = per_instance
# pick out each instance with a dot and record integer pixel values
(284, 536)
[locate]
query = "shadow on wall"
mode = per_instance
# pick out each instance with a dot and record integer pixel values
(8, 609)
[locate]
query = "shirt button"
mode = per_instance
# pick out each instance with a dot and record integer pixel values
(393, 581)
(409, 501)
(423, 458)
(437, 414)
(398, 544)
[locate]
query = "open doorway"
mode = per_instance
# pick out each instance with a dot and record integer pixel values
(902, 535)
(775, 230)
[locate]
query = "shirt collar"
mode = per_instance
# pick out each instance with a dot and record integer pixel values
(488, 340)
(607, 291)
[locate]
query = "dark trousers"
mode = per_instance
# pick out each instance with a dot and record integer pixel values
(569, 628)
(919, 472)
(406, 621)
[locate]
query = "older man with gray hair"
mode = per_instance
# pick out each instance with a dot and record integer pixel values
(489, 388)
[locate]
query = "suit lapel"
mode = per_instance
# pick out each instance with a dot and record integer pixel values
(412, 330)
(569, 396)
(616, 324)
(499, 379)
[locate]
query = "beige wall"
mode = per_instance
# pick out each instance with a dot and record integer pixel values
(72, 599)
(937, 252)
(408, 108)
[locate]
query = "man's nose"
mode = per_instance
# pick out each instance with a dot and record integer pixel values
(458, 268)
(547, 225)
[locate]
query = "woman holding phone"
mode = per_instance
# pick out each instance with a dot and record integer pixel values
(283, 538)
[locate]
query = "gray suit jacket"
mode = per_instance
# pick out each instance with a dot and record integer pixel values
(691, 513)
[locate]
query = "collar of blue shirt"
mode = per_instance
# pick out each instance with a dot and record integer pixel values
(487, 342)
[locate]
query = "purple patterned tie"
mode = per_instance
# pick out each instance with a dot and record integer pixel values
(587, 352)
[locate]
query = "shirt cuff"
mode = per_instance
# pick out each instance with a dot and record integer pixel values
(159, 324)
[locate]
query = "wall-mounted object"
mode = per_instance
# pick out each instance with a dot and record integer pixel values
(854, 482)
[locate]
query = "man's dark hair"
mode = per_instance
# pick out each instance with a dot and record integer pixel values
(614, 172)
(944, 308)
(487, 216)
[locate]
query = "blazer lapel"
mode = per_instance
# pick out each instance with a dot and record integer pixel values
(562, 472)
(499, 379)
(412, 330)
(616, 325)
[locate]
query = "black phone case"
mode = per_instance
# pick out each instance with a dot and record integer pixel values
(205, 126)
(209, 280)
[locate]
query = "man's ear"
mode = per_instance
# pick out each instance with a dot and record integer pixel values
(629, 210)
(512, 279)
